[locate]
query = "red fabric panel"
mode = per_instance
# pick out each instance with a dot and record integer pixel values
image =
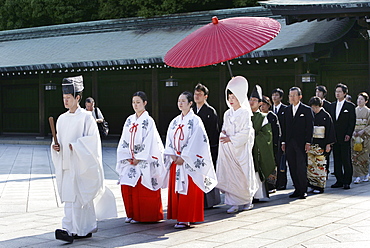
(185, 208)
(141, 203)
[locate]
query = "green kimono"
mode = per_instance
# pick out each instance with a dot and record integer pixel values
(263, 154)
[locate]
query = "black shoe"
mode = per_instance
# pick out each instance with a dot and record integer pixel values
(281, 188)
(337, 185)
(63, 235)
(346, 186)
(89, 235)
(302, 196)
(294, 195)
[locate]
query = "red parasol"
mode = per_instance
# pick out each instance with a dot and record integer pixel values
(222, 40)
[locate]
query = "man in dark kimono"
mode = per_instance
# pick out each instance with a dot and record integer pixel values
(263, 154)
(211, 123)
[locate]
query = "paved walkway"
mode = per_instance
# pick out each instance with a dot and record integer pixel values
(30, 211)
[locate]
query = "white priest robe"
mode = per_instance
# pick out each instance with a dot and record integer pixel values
(140, 140)
(79, 173)
(187, 138)
(235, 167)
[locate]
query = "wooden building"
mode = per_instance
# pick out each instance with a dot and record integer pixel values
(120, 57)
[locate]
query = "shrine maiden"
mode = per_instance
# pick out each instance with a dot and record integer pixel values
(189, 164)
(140, 165)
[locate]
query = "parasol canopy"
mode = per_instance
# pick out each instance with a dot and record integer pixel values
(222, 40)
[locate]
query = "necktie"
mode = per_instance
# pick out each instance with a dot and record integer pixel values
(275, 110)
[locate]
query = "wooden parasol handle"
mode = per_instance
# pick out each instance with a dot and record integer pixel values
(52, 127)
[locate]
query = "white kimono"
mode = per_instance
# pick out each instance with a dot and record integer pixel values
(79, 173)
(187, 138)
(140, 140)
(235, 167)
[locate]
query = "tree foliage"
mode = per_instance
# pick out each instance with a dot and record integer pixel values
(32, 13)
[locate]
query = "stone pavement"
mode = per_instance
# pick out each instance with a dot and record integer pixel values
(30, 211)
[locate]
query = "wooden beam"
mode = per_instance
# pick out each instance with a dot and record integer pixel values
(155, 101)
(42, 105)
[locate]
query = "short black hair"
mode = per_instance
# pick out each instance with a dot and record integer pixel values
(279, 91)
(142, 95)
(321, 88)
(188, 95)
(297, 89)
(315, 101)
(202, 87)
(343, 86)
(89, 100)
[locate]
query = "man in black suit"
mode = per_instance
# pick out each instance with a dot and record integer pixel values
(321, 92)
(296, 139)
(344, 119)
(278, 108)
(211, 123)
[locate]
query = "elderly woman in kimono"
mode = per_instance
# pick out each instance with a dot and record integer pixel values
(323, 139)
(189, 163)
(235, 168)
(361, 135)
(140, 165)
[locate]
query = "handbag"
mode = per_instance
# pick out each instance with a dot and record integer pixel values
(357, 144)
(102, 126)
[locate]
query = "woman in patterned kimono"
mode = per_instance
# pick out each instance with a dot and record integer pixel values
(235, 167)
(140, 165)
(189, 164)
(323, 138)
(360, 159)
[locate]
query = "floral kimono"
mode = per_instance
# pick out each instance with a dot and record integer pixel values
(187, 138)
(360, 159)
(140, 140)
(141, 183)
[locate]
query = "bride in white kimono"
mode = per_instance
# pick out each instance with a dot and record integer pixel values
(235, 168)
(140, 165)
(189, 163)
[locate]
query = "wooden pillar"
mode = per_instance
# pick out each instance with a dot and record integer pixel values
(42, 101)
(222, 83)
(155, 99)
(94, 85)
(298, 69)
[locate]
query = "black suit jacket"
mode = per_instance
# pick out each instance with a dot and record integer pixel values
(280, 112)
(326, 105)
(298, 128)
(211, 122)
(346, 120)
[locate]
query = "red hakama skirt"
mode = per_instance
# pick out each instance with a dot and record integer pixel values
(141, 203)
(185, 208)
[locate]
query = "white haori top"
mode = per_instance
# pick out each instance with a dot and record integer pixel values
(140, 140)
(187, 138)
(83, 164)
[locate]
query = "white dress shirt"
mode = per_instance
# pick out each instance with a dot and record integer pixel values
(338, 108)
(276, 108)
(295, 108)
